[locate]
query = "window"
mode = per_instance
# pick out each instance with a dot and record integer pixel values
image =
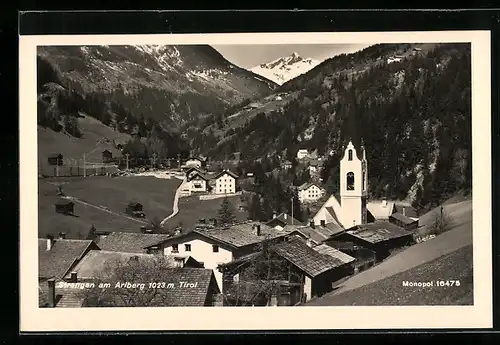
(187, 247)
(350, 181)
(215, 248)
(349, 153)
(175, 248)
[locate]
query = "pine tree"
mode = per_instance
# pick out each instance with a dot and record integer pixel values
(255, 211)
(226, 212)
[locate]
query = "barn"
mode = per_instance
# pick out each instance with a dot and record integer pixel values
(64, 206)
(55, 159)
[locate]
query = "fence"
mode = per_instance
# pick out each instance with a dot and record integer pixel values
(70, 171)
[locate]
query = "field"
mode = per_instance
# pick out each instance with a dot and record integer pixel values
(390, 291)
(191, 209)
(110, 193)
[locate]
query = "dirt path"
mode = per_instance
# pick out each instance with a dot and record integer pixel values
(175, 207)
(104, 209)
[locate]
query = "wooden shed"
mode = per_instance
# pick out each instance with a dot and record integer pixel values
(65, 206)
(107, 156)
(135, 209)
(55, 159)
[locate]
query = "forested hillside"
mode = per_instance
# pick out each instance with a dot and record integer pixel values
(414, 117)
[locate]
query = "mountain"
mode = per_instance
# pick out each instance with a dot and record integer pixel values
(145, 92)
(413, 115)
(283, 69)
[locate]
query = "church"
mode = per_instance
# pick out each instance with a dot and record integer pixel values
(350, 209)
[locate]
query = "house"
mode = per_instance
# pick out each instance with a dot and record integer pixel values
(403, 221)
(381, 209)
(135, 209)
(212, 246)
(55, 159)
(196, 161)
(349, 207)
(57, 257)
(197, 182)
(316, 234)
(381, 237)
(310, 192)
(314, 166)
(107, 156)
(397, 58)
(130, 242)
(299, 273)
(184, 285)
(64, 206)
(406, 210)
(225, 182)
(302, 153)
(280, 221)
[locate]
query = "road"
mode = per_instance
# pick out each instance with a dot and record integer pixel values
(175, 207)
(105, 210)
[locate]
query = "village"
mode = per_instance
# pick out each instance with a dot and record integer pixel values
(221, 260)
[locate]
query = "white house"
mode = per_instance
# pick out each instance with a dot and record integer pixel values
(225, 182)
(302, 153)
(195, 161)
(214, 246)
(197, 182)
(352, 208)
(396, 58)
(309, 192)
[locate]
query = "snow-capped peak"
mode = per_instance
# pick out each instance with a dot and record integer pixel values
(285, 68)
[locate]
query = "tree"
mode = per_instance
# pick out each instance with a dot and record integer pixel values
(226, 212)
(441, 223)
(135, 269)
(155, 224)
(259, 277)
(255, 211)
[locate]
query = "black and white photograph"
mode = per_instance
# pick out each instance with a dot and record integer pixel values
(232, 174)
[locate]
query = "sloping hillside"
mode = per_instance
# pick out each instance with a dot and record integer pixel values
(413, 114)
(460, 236)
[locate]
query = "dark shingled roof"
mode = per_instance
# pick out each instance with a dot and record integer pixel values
(333, 252)
(409, 211)
(65, 297)
(63, 254)
(401, 218)
(306, 185)
(130, 242)
(289, 220)
(378, 232)
(305, 258)
(318, 234)
(192, 176)
(55, 155)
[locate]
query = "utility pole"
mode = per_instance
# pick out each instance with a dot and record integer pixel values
(84, 167)
(292, 210)
(153, 160)
(57, 167)
(179, 159)
(126, 155)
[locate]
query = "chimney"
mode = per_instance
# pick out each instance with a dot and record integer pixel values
(74, 277)
(50, 241)
(62, 235)
(323, 222)
(311, 224)
(309, 243)
(274, 215)
(52, 292)
(384, 202)
(257, 228)
(404, 211)
(285, 215)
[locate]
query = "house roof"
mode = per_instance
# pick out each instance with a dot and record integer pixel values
(134, 204)
(402, 218)
(55, 155)
(318, 234)
(307, 185)
(63, 202)
(200, 158)
(190, 170)
(95, 263)
(378, 232)
(130, 242)
(409, 211)
(305, 258)
(61, 257)
(379, 210)
(106, 151)
(226, 171)
(332, 213)
(335, 253)
(65, 297)
(199, 174)
(284, 219)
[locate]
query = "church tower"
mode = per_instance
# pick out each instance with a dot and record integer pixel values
(353, 187)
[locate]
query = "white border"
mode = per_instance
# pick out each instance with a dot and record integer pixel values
(33, 318)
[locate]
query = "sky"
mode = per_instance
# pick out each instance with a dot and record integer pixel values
(248, 56)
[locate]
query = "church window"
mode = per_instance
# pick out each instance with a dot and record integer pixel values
(350, 181)
(349, 153)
